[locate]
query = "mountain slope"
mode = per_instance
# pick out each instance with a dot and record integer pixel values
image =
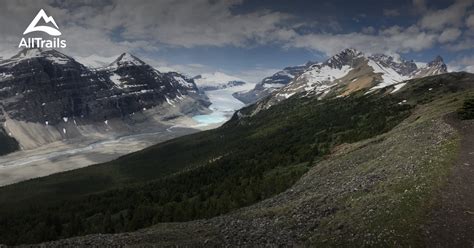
(347, 72)
(272, 83)
(47, 96)
(278, 145)
(216, 81)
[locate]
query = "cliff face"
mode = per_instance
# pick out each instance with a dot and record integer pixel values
(47, 86)
(47, 90)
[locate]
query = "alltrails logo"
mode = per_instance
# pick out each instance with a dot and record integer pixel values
(38, 42)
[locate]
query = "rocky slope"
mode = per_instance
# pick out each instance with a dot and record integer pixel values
(271, 83)
(47, 96)
(340, 75)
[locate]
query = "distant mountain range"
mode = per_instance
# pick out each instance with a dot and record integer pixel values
(48, 95)
(348, 71)
(216, 81)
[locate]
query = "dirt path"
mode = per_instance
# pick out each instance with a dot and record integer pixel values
(452, 223)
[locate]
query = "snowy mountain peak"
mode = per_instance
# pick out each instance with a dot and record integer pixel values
(214, 79)
(28, 53)
(435, 67)
(127, 59)
(51, 55)
(344, 58)
(350, 71)
(400, 66)
(437, 61)
(217, 80)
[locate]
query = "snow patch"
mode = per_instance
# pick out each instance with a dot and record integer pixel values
(398, 87)
(168, 101)
(317, 79)
(115, 78)
(273, 86)
(389, 76)
(183, 82)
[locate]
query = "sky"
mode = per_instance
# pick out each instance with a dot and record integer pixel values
(249, 39)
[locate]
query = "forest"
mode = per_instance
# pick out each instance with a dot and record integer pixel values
(7, 143)
(248, 159)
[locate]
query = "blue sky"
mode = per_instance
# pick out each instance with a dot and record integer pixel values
(251, 39)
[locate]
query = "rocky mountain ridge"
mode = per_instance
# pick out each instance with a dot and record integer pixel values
(52, 93)
(378, 70)
(350, 71)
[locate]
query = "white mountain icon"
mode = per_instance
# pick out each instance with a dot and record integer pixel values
(47, 19)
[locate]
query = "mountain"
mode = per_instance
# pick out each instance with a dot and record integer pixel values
(435, 67)
(350, 71)
(47, 96)
(272, 83)
(216, 81)
(310, 172)
(133, 77)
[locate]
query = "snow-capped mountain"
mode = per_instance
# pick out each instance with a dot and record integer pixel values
(216, 81)
(350, 71)
(134, 77)
(272, 83)
(50, 95)
(435, 67)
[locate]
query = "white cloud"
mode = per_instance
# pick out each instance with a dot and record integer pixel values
(449, 35)
(250, 76)
(188, 23)
(394, 39)
(470, 21)
(465, 63)
(368, 30)
(465, 44)
(451, 16)
(95, 27)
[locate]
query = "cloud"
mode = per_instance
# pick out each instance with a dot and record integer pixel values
(250, 76)
(368, 30)
(188, 23)
(449, 35)
(114, 25)
(465, 63)
(393, 39)
(464, 44)
(391, 12)
(450, 16)
(470, 21)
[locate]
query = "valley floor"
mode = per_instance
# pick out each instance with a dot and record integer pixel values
(63, 156)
